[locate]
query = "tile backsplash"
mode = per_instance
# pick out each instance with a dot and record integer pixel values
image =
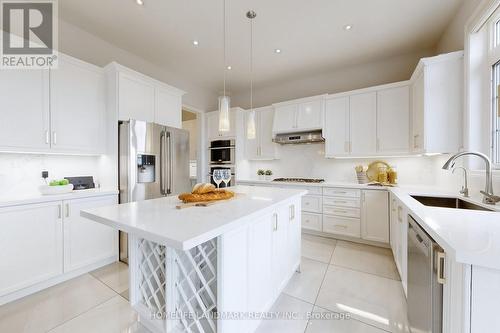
(20, 174)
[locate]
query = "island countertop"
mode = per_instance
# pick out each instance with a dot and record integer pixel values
(158, 220)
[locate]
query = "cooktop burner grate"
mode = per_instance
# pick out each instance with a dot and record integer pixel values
(299, 180)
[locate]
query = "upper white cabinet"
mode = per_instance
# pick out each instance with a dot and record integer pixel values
(77, 106)
(168, 104)
(59, 110)
(337, 127)
(24, 104)
(374, 216)
(393, 120)
(299, 115)
(368, 122)
(261, 147)
(137, 96)
(213, 125)
(437, 104)
(363, 119)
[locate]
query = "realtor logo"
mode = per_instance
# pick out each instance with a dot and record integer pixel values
(29, 34)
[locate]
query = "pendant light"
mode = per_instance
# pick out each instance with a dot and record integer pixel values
(251, 131)
(224, 101)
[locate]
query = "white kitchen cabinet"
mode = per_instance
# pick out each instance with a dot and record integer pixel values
(31, 245)
(363, 120)
(261, 147)
(310, 115)
(437, 104)
(24, 115)
(280, 248)
(375, 216)
(299, 115)
(77, 106)
(337, 127)
(213, 125)
(136, 98)
(85, 241)
(294, 237)
(399, 238)
(168, 107)
(285, 118)
(393, 120)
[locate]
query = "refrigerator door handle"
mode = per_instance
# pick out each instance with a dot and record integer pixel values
(170, 164)
(162, 163)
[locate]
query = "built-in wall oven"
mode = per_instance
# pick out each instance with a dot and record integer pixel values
(222, 152)
(425, 281)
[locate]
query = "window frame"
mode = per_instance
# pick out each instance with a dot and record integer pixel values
(494, 69)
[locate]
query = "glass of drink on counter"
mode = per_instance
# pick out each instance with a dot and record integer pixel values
(217, 177)
(226, 176)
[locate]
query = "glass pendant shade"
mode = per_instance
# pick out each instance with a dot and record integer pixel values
(224, 106)
(251, 131)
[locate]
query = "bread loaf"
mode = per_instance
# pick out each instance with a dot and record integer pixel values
(211, 196)
(202, 188)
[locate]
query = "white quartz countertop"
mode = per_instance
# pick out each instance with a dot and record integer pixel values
(158, 220)
(7, 201)
(324, 184)
(468, 236)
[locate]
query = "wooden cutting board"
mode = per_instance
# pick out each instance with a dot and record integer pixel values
(207, 203)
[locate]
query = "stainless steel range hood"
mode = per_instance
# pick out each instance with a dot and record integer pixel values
(299, 138)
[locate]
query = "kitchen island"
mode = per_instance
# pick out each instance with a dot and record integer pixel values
(209, 269)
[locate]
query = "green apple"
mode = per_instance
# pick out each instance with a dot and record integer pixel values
(63, 182)
(54, 183)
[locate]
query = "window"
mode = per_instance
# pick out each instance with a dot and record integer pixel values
(494, 56)
(496, 115)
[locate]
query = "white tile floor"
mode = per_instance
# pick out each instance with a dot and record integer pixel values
(337, 277)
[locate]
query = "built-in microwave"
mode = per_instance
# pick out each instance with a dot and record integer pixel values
(222, 152)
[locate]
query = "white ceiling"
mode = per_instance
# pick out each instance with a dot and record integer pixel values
(309, 33)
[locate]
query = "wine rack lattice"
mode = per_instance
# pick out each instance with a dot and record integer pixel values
(196, 287)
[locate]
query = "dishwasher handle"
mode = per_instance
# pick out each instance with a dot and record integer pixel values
(418, 241)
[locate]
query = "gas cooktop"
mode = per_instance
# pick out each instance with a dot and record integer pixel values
(299, 180)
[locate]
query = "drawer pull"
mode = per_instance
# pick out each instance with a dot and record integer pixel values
(340, 211)
(340, 226)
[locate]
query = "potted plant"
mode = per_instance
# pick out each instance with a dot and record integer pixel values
(261, 174)
(268, 173)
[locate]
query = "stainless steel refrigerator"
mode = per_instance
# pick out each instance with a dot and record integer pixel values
(153, 163)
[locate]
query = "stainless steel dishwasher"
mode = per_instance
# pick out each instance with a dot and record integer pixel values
(425, 281)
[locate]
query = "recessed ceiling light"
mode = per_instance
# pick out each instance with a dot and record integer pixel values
(139, 2)
(229, 68)
(196, 43)
(277, 51)
(348, 27)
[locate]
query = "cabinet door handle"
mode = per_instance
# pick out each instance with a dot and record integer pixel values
(59, 211)
(275, 226)
(54, 137)
(400, 214)
(415, 143)
(346, 146)
(67, 210)
(393, 205)
(292, 212)
(47, 137)
(440, 268)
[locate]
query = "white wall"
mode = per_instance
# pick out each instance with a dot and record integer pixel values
(397, 68)
(21, 174)
(453, 37)
(85, 46)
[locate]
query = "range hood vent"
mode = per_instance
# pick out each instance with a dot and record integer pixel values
(299, 138)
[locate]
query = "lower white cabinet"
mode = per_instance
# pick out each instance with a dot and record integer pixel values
(31, 245)
(399, 238)
(345, 226)
(41, 243)
(375, 216)
(259, 259)
(85, 241)
(312, 221)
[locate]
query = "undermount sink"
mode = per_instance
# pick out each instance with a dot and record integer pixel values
(456, 203)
